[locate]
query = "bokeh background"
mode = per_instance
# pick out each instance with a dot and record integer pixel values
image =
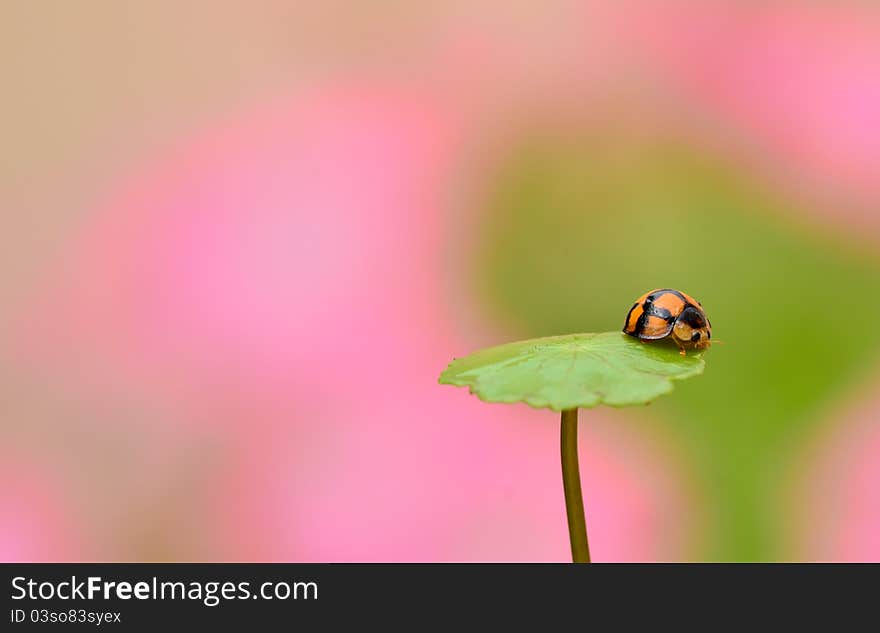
(241, 240)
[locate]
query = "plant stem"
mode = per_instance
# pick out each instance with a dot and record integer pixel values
(571, 484)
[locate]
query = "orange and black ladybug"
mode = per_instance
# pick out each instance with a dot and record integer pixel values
(666, 312)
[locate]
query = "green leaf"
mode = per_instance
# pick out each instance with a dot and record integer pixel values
(575, 370)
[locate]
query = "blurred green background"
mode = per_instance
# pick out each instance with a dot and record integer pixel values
(580, 226)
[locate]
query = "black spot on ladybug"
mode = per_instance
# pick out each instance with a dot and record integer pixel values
(663, 313)
(709, 335)
(641, 322)
(692, 317)
(696, 336)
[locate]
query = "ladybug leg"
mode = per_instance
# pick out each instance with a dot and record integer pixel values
(681, 349)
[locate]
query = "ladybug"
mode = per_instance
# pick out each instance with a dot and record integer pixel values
(671, 313)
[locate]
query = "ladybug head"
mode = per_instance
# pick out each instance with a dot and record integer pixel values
(692, 328)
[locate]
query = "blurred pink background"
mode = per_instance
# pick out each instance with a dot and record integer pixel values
(237, 242)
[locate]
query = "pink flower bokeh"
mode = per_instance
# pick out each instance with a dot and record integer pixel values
(282, 290)
(37, 521)
(796, 87)
(835, 495)
(281, 281)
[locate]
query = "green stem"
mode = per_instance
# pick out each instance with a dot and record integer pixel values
(571, 484)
